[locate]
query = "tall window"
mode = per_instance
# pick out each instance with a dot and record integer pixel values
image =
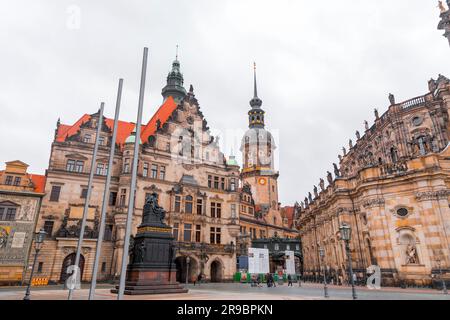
(126, 165)
(8, 180)
(188, 204)
(199, 207)
(112, 198)
(48, 227)
(54, 194)
(216, 182)
(233, 184)
(162, 172)
(40, 267)
(70, 165)
(107, 236)
(177, 204)
(233, 211)
(216, 210)
(187, 232)
(145, 169)
(87, 138)
(215, 235)
(100, 170)
(17, 181)
(209, 181)
(84, 192)
(176, 226)
(198, 233)
(222, 183)
(154, 173)
(123, 197)
(101, 140)
(79, 165)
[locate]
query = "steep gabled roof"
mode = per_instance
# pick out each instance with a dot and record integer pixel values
(39, 182)
(124, 128)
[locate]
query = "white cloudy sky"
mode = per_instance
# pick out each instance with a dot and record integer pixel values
(322, 68)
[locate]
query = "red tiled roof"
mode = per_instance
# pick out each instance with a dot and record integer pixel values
(124, 128)
(289, 214)
(39, 182)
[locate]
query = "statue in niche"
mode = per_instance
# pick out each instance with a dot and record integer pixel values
(411, 255)
(391, 98)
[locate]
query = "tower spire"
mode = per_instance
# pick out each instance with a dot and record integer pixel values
(175, 81)
(254, 76)
(176, 54)
(256, 102)
(256, 114)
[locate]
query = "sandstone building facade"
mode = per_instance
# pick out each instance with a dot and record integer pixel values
(392, 188)
(20, 199)
(179, 160)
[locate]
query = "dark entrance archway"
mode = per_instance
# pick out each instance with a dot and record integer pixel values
(68, 261)
(181, 264)
(216, 271)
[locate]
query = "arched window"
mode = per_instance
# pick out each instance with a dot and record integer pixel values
(188, 204)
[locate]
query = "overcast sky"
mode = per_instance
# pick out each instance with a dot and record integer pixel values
(323, 66)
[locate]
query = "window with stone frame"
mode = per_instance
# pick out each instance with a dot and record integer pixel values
(84, 192)
(9, 180)
(7, 212)
(187, 234)
(162, 172)
(216, 210)
(209, 181)
(154, 172)
(103, 269)
(199, 207)
(215, 235)
(107, 236)
(233, 184)
(123, 197)
(102, 140)
(40, 267)
(222, 183)
(198, 233)
(17, 181)
(54, 193)
(188, 204)
(79, 166)
(175, 229)
(145, 169)
(48, 228)
(216, 182)
(87, 138)
(177, 204)
(112, 198)
(126, 165)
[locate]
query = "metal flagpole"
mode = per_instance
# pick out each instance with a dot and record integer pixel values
(126, 244)
(106, 194)
(88, 197)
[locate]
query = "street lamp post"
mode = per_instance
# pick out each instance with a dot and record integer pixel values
(346, 233)
(444, 286)
(38, 240)
(188, 260)
(325, 287)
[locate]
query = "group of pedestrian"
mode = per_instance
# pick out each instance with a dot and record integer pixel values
(270, 280)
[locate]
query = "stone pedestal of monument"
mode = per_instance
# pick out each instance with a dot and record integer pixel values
(152, 269)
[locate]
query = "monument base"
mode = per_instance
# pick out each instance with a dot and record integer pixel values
(155, 281)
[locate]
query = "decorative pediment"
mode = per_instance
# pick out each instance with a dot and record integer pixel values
(152, 188)
(76, 156)
(8, 203)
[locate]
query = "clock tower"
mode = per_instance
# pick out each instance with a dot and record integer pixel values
(258, 171)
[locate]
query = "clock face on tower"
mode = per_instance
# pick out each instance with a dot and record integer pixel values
(262, 181)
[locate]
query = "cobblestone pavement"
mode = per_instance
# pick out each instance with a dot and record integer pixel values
(236, 291)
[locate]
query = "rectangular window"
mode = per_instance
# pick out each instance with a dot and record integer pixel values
(175, 231)
(250, 210)
(222, 183)
(11, 214)
(233, 184)
(188, 204)
(79, 165)
(199, 207)
(154, 173)
(40, 266)
(54, 194)
(168, 146)
(87, 138)
(145, 169)
(162, 172)
(17, 181)
(198, 233)
(177, 204)
(123, 197)
(70, 166)
(209, 181)
(215, 235)
(107, 236)
(99, 169)
(216, 210)
(126, 165)
(112, 198)
(48, 228)
(84, 193)
(187, 232)
(103, 267)
(8, 180)
(216, 182)
(233, 211)
(101, 140)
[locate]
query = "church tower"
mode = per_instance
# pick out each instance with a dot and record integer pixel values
(258, 171)
(175, 81)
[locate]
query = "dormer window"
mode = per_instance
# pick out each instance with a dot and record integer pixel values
(8, 180)
(87, 138)
(17, 181)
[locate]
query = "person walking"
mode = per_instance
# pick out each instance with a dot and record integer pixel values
(289, 280)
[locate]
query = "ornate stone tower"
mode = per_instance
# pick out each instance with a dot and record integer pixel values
(444, 24)
(175, 82)
(258, 158)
